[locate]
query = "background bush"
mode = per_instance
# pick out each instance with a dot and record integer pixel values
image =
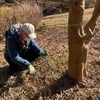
(23, 13)
(89, 3)
(30, 11)
(50, 7)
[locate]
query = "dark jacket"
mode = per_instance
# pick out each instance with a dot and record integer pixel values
(15, 51)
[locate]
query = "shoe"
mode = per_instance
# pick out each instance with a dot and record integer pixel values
(43, 53)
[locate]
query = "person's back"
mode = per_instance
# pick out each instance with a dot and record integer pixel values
(21, 49)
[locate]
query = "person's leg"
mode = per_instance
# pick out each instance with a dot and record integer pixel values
(12, 66)
(31, 55)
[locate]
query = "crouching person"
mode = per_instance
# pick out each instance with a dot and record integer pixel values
(21, 48)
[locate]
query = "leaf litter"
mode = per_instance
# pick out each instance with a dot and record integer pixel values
(52, 81)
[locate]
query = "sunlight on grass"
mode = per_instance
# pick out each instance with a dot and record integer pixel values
(55, 21)
(4, 9)
(61, 20)
(51, 67)
(87, 15)
(53, 37)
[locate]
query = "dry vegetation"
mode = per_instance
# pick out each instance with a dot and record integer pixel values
(52, 82)
(19, 14)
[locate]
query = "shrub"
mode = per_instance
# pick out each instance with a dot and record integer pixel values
(9, 1)
(89, 3)
(24, 13)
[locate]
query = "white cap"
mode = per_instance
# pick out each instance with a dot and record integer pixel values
(29, 29)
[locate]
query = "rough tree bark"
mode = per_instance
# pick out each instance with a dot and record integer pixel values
(77, 49)
(78, 41)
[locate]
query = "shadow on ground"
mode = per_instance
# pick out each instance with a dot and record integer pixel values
(63, 83)
(5, 85)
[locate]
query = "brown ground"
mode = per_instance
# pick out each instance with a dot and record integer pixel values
(52, 82)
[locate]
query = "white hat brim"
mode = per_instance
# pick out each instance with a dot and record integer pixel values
(33, 35)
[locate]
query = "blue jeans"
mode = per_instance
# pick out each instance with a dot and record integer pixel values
(30, 56)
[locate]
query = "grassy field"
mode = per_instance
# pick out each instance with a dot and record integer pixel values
(61, 20)
(52, 81)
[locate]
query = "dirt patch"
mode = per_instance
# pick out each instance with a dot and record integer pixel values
(52, 81)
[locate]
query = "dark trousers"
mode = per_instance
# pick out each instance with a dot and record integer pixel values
(30, 56)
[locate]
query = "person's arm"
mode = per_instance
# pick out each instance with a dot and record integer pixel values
(35, 47)
(14, 55)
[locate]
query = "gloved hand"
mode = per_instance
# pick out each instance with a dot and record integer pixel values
(43, 53)
(32, 70)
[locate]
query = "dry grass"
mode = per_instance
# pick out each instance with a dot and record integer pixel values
(60, 21)
(19, 14)
(52, 82)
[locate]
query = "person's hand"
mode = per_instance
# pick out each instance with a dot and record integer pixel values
(32, 70)
(43, 53)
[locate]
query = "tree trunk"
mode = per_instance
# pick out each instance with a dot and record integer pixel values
(77, 40)
(77, 47)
